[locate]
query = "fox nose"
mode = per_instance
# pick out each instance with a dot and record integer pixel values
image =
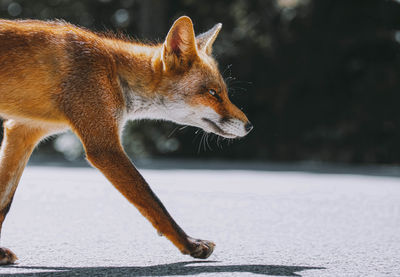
(248, 127)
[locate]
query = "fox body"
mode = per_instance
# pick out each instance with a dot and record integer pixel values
(55, 76)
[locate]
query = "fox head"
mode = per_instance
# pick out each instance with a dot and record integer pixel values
(190, 89)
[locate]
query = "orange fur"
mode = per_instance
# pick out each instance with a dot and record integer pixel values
(55, 76)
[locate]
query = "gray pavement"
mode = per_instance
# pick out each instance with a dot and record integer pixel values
(71, 221)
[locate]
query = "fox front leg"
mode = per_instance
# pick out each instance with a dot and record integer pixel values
(104, 151)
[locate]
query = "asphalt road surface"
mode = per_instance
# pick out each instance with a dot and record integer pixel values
(71, 221)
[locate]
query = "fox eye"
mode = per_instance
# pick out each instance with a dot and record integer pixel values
(215, 94)
(212, 92)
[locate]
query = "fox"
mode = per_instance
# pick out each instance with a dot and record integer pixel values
(55, 77)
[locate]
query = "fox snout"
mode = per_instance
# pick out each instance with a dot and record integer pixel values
(234, 125)
(236, 128)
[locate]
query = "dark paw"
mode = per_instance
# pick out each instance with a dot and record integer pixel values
(7, 256)
(201, 249)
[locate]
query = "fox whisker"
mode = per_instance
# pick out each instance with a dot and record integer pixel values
(208, 144)
(228, 67)
(200, 143)
(173, 131)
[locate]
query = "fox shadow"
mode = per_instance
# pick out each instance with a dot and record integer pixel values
(172, 269)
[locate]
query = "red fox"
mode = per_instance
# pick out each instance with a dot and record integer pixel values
(55, 77)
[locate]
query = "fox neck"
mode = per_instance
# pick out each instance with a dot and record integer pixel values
(139, 70)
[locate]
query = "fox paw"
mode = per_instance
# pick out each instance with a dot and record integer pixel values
(201, 249)
(7, 256)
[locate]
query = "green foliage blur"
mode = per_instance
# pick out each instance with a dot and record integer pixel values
(319, 79)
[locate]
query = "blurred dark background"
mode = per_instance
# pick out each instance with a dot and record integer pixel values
(319, 79)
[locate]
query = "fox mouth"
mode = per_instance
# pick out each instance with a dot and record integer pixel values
(217, 129)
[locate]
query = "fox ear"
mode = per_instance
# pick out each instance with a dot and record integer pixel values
(206, 40)
(180, 45)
